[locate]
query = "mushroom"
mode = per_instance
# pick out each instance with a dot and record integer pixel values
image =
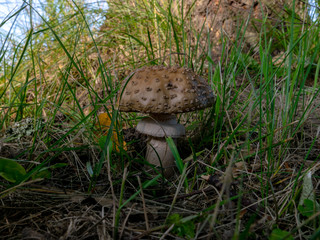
(163, 92)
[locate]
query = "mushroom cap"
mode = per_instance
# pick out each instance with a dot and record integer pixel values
(168, 90)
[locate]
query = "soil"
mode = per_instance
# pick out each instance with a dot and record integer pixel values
(64, 207)
(225, 18)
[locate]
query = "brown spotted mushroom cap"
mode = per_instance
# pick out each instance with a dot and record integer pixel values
(168, 90)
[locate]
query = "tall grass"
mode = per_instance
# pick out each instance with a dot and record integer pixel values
(63, 69)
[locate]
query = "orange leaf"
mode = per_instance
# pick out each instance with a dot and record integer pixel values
(104, 123)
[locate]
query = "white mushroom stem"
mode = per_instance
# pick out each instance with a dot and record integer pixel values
(158, 127)
(159, 154)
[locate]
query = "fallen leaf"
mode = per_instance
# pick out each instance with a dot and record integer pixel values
(103, 124)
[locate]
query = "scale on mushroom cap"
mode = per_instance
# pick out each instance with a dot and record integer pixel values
(163, 92)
